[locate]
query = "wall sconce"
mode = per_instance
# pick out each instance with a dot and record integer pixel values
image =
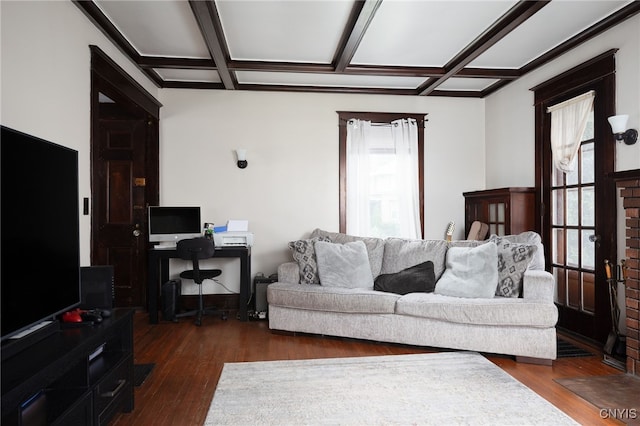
(242, 158)
(620, 131)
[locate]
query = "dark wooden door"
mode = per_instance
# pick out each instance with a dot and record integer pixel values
(119, 177)
(124, 175)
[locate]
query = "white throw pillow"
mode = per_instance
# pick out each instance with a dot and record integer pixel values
(344, 265)
(470, 272)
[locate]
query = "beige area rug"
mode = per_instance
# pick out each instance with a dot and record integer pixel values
(444, 388)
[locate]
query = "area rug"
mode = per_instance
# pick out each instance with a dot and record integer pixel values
(440, 388)
(141, 372)
(616, 395)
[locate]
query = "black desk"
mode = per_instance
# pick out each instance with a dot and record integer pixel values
(159, 273)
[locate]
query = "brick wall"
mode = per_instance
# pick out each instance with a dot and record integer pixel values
(630, 192)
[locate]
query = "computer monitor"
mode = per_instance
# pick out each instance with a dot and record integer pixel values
(172, 224)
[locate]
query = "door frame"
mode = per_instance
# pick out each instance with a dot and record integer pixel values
(109, 78)
(596, 74)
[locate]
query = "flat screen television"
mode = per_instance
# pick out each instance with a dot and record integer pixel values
(172, 224)
(39, 231)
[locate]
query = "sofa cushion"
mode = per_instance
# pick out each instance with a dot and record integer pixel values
(496, 311)
(418, 278)
(400, 253)
(344, 265)
(375, 246)
(331, 299)
(304, 252)
(513, 261)
(471, 272)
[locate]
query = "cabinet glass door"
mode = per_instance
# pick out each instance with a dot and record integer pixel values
(497, 218)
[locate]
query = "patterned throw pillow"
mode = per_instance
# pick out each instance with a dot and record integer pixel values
(513, 260)
(304, 253)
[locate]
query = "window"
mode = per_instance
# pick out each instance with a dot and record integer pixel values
(378, 172)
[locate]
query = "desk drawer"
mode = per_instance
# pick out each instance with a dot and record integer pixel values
(114, 392)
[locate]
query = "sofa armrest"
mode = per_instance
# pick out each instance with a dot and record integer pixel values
(289, 273)
(538, 286)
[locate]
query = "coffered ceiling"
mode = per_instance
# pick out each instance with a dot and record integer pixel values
(407, 47)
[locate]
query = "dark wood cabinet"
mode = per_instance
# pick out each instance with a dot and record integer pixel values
(506, 210)
(79, 376)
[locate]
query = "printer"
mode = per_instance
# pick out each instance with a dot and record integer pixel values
(234, 234)
(233, 239)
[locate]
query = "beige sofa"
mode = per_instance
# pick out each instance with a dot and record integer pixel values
(521, 326)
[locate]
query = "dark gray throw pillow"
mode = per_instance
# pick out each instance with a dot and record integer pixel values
(416, 279)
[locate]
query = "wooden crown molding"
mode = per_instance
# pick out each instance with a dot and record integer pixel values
(208, 19)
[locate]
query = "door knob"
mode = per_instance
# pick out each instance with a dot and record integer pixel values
(136, 231)
(594, 238)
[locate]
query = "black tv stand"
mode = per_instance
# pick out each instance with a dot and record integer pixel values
(12, 346)
(73, 376)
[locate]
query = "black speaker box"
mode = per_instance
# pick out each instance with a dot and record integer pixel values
(97, 287)
(171, 291)
(261, 283)
(261, 297)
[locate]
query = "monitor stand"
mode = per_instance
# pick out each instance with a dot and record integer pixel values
(166, 246)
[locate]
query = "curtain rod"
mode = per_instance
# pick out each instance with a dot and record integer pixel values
(421, 122)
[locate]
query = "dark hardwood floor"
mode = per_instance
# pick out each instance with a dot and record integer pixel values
(189, 360)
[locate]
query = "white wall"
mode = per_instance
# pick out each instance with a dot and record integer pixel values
(291, 184)
(510, 117)
(45, 79)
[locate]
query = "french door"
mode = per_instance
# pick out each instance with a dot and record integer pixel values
(574, 236)
(578, 220)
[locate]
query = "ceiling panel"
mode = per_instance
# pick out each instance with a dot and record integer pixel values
(425, 33)
(545, 30)
(157, 28)
(330, 80)
(289, 31)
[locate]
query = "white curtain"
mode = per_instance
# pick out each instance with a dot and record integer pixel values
(358, 176)
(401, 139)
(405, 139)
(568, 121)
